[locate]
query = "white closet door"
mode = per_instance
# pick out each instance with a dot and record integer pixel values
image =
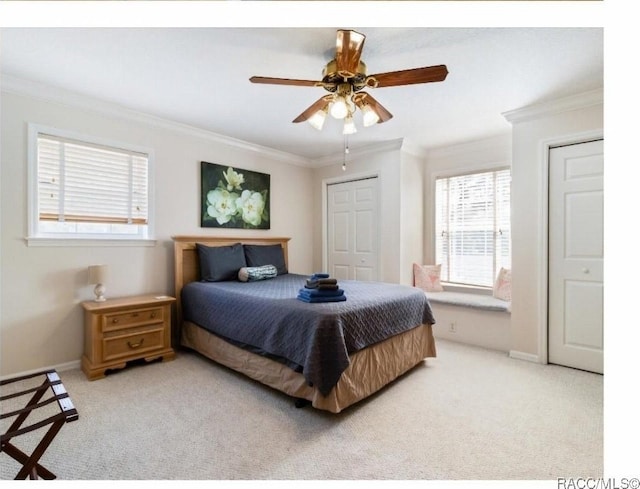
(576, 222)
(352, 230)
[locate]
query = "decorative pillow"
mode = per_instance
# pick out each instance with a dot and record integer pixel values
(427, 277)
(252, 274)
(260, 255)
(502, 286)
(220, 263)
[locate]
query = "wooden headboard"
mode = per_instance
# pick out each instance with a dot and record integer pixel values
(187, 264)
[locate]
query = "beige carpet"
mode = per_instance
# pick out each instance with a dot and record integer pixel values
(469, 414)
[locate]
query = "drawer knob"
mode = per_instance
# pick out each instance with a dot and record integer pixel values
(135, 315)
(153, 314)
(115, 320)
(135, 345)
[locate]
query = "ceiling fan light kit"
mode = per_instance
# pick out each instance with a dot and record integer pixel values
(345, 77)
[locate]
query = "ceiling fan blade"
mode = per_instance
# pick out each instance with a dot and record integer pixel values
(349, 46)
(282, 81)
(383, 113)
(319, 104)
(409, 77)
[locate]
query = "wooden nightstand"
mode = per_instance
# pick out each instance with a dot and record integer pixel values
(117, 331)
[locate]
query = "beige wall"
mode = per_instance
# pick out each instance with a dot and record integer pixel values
(534, 128)
(42, 287)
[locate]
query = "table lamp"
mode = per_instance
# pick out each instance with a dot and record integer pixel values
(98, 275)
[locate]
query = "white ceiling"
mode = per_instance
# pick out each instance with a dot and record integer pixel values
(200, 77)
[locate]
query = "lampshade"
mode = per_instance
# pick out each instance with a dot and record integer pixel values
(369, 116)
(349, 125)
(97, 274)
(339, 108)
(317, 119)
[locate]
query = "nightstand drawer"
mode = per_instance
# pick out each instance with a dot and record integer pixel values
(132, 344)
(137, 317)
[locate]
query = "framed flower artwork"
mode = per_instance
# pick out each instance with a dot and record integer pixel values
(234, 198)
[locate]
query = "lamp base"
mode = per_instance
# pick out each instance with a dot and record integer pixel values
(99, 292)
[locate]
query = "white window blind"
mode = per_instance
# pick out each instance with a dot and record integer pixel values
(83, 182)
(473, 227)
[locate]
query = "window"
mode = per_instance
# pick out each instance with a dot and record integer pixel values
(473, 227)
(83, 188)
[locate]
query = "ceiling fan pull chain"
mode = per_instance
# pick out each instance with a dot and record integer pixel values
(346, 152)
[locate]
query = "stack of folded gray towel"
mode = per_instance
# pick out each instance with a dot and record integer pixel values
(320, 287)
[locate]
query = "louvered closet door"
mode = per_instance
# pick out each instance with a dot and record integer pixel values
(576, 222)
(352, 230)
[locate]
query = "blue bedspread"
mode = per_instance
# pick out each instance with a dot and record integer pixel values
(266, 317)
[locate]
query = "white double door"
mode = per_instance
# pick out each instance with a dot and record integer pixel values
(352, 229)
(576, 252)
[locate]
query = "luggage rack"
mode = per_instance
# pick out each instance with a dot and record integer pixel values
(67, 413)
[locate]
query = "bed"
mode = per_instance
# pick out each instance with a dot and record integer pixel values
(331, 355)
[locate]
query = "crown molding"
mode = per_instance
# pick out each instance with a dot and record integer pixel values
(543, 109)
(33, 89)
(413, 149)
(500, 142)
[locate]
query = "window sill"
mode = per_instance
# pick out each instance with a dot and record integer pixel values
(467, 289)
(67, 242)
(473, 301)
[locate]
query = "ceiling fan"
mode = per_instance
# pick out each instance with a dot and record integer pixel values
(345, 77)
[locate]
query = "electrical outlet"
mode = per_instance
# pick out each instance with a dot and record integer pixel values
(452, 327)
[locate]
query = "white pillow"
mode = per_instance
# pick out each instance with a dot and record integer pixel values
(502, 285)
(427, 277)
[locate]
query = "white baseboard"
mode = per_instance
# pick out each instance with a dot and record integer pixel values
(59, 368)
(529, 357)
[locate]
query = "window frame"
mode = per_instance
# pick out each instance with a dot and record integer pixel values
(37, 237)
(491, 167)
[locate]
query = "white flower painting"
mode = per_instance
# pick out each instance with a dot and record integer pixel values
(234, 198)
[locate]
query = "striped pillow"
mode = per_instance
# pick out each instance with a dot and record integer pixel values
(252, 274)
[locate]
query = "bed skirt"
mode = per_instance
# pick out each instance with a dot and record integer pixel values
(370, 369)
